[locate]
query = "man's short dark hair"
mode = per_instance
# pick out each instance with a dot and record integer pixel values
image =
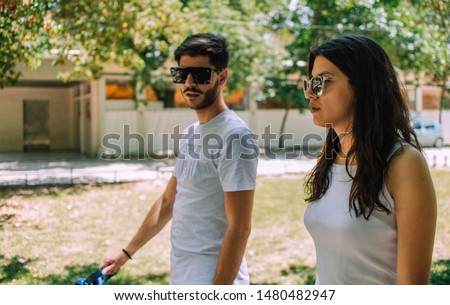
(205, 44)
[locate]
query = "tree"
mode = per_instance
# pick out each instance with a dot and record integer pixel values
(270, 40)
(22, 37)
(251, 55)
(414, 33)
(416, 38)
(432, 19)
(137, 34)
(300, 25)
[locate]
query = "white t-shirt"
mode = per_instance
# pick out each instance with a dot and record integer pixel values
(216, 157)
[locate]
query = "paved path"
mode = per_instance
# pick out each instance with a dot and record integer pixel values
(71, 168)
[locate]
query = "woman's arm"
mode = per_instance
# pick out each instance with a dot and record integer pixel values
(410, 185)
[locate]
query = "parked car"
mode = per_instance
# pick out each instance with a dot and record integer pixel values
(428, 131)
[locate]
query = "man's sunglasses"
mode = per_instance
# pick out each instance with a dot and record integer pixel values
(201, 76)
(315, 84)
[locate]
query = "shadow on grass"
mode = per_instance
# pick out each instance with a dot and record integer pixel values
(440, 273)
(149, 279)
(15, 270)
(30, 191)
(52, 191)
(305, 275)
(74, 273)
(5, 217)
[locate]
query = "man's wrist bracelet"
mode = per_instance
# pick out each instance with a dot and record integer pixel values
(127, 254)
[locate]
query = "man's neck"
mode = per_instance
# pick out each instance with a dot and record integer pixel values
(207, 114)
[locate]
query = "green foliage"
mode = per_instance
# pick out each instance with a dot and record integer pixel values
(252, 55)
(264, 36)
(440, 273)
(7, 72)
(137, 34)
(282, 93)
(310, 23)
(420, 43)
(418, 39)
(414, 33)
(22, 38)
(446, 100)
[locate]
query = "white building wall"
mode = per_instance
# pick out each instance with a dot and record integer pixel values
(299, 127)
(60, 116)
(123, 128)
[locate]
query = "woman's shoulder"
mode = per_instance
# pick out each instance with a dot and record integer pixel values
(404, 154)
(407, 164)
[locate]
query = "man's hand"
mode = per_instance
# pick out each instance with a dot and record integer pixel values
(113, 263)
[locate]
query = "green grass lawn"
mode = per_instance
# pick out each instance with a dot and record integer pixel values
(56, 235)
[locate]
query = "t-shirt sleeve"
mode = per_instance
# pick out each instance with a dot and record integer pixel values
(238, 162)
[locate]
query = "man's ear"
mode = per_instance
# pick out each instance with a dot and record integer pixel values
(223, 76)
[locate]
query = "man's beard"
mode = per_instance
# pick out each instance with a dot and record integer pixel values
(209, 99)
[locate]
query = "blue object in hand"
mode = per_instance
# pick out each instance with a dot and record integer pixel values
(96, 278)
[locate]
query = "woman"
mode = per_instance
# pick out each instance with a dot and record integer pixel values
(372, 204)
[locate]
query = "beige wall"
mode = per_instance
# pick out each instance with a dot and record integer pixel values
(45, 72)
(11, 122)
(61, 117)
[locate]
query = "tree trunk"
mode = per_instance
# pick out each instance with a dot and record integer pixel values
(443, 91)
(283, 123)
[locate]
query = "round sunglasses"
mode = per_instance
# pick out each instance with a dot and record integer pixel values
(315, 85)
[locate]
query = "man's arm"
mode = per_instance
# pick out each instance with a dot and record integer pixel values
(238, 209)
(157, 217)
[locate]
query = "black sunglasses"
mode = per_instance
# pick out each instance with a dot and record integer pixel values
(201, 76)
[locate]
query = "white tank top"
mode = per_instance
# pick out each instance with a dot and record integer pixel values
(349, 249)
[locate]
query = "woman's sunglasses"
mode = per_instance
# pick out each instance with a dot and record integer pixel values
(201, 76)
(315, 84)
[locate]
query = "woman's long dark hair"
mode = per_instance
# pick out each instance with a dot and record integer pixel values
(380, 119)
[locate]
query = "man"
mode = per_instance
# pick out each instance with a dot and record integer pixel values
(210, 195)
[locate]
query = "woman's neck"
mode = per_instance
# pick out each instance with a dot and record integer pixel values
(346, 142)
